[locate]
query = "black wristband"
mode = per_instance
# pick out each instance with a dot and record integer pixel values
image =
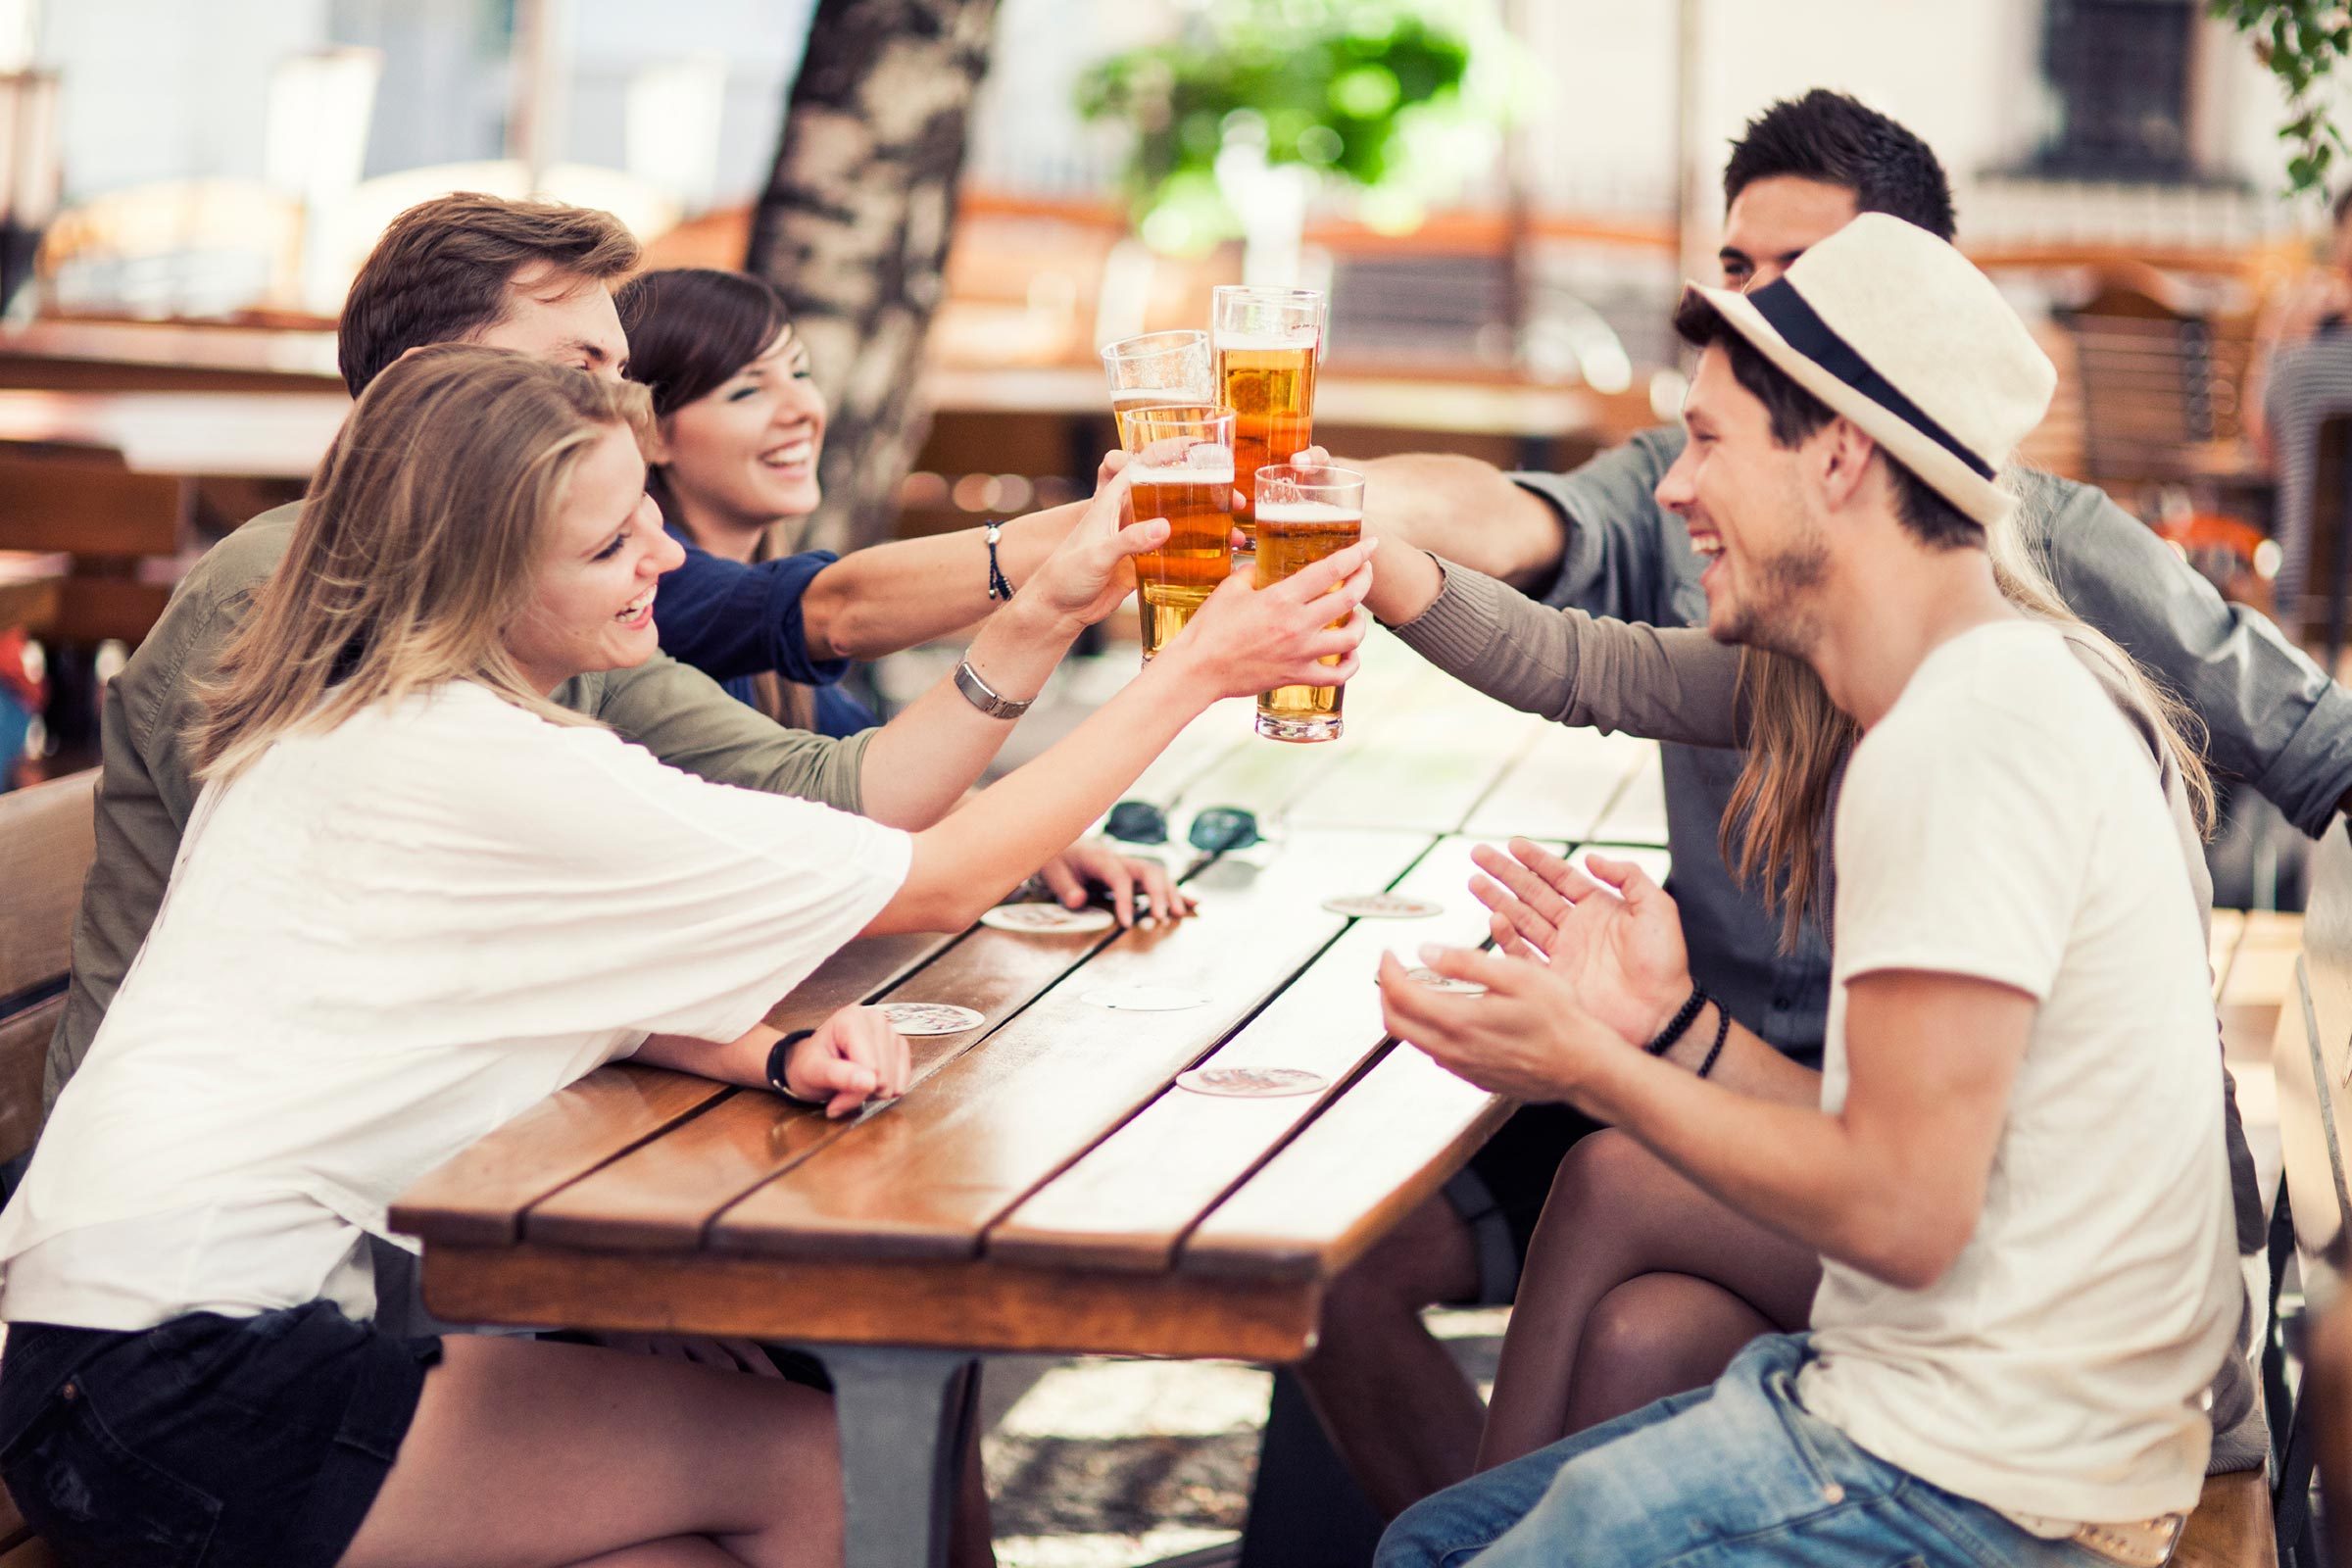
(1675, 1026)
(779, 1057)
(1723, 1032)
(999, 586)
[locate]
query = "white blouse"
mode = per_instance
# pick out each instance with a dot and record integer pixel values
(379, 943)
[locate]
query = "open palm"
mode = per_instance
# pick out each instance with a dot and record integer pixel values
(1614, 935)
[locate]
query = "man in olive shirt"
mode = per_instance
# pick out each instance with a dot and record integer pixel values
(1596, 540)
(534, 278)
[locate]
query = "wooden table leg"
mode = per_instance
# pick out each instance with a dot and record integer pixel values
(904, 1416)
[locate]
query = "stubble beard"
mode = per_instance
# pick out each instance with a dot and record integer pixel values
(1778, 615)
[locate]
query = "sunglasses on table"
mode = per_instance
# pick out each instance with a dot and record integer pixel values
(1214, 829)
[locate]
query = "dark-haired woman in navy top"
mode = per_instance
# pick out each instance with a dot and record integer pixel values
(742, 425)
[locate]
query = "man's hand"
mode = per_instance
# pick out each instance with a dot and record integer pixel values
(1614, 935)
(855, 1056)
(1526, 1037)
(1096, 862)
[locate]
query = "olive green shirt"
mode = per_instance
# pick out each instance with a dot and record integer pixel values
(145, 794)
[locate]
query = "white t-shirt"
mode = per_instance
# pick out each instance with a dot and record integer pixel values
(378, 944)
(2003, 821)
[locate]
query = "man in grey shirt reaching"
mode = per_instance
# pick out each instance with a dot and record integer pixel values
(1595, 540)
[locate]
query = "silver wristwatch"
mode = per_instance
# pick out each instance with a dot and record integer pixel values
(982, 696)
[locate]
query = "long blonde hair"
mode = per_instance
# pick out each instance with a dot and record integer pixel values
(414, 549)
(1794, 738)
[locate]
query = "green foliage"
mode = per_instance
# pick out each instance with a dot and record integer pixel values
(1369, 92)
(2300, 42)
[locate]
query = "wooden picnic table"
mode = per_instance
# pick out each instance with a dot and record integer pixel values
(1043, 1186)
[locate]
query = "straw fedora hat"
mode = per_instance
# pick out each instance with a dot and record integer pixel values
(1898, 332)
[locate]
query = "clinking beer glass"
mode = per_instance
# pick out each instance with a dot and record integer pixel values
(1303, 514)
(1267, 341)
(1155, 370)
(1184, 473)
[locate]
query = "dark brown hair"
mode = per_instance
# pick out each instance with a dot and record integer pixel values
(1841, 141)
(692, 329)
(440, 273)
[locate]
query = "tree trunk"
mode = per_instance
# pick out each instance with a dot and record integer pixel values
(854, 227)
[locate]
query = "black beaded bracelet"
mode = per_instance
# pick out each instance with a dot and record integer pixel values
(779, 1057)
(1723, 1032)
(1680, 1022)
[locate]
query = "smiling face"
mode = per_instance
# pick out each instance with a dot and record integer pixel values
(1743, 498)
(1774, 220)
(744, 455)
(591, 587)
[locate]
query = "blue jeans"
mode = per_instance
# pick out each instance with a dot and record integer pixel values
(1737, 1473)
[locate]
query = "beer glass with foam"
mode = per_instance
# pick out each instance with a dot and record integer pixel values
(1184, 473)
(1153, 371)
(1303, 514)
(1267, 341)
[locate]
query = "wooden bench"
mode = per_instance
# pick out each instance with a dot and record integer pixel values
(46, 843)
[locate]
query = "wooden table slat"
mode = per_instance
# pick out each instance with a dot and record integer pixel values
(661, 1196)
(1561, 788)
(923, 1178)
(479, 1199)
(1389, 1143)
(1132, 1198)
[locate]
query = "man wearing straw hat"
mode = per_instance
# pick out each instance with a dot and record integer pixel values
(2025, 1294)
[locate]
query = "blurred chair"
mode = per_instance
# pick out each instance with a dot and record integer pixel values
(2158, 386)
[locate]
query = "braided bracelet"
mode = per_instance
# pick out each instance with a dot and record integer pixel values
(1678, 1024)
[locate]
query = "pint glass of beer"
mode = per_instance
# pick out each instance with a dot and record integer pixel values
(1155, 370)
(1303, 514)
(1267, 341)
(1184, 473)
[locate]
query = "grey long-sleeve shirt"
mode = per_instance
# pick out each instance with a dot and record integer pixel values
(2272, 718)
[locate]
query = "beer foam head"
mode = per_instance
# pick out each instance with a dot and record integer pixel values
(1266, 342)
(1205, 463)
(1305, 513)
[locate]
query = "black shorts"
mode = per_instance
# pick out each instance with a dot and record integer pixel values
(220, 1440)
(1500, 1194)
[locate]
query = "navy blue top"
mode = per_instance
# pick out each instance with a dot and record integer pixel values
(734, 621)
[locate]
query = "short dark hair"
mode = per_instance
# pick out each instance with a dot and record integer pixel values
(439, 274)
(1838, 140)
(1795, 415)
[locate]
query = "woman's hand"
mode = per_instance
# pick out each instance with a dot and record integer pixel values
(1620, 952)
(1092, 571)
(1096, 862)
(855, 1056)
(1526, 1037)
(1247, 640)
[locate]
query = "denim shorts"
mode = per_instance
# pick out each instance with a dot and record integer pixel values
(207, 1440)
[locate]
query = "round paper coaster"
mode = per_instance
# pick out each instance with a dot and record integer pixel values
(1251, 1083)
(1143, 999)
(1384, 907)
(1047, 918)
(931, 1018)
(1444, 982)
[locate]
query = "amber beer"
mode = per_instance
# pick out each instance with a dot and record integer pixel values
(1303, 514)
(1157, 369)
(1185, 475)
(1267, 341)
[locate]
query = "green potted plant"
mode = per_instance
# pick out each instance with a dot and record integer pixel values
(1256, 104)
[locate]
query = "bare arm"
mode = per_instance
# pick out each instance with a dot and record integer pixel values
(852, 1056)
(889, 597)
(1465, 511)
(1892, 1184)
(1241, 642)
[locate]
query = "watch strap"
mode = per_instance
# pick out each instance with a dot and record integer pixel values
(983, 697)
(779, 1057)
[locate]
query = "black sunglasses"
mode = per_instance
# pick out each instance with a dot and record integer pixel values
(1215, 829)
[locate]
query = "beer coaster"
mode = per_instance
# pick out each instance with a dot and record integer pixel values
(1047, 918)
(1445, 982)
(1384, 907)
(931, 1018)
(1251, 1083)
(1143, 999)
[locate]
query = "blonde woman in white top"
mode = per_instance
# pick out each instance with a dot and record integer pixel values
(415, 898)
